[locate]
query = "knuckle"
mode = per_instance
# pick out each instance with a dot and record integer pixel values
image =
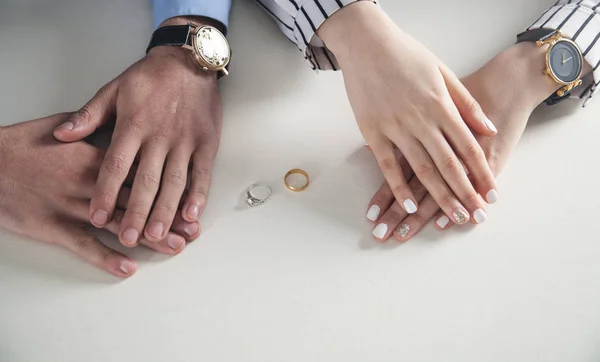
(473, 107)
(388, 164)
(138, 212)
(473, 152)
(451, 164)
(168, 207)
(115, 165)
(176, 177)
(472, 199)
(83, 115)
(400, 189)
(201, 173)
(135, 123)
(446, 201)
(425, 170)
(148, 180)
(417, 220)
(106, 196)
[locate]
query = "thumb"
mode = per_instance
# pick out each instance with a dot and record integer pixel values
(469, 108)
(90, 117)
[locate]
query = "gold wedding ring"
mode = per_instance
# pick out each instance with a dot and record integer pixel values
(296, 171)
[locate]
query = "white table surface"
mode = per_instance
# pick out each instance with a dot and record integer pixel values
(300, 279)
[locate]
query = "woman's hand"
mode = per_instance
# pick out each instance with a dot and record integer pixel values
(45, 191)
(168, 113)
(404, 97)
(517, 73)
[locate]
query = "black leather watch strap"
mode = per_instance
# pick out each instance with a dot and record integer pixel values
(170, 35)
(535, 35)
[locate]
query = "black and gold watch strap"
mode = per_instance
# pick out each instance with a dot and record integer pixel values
(543, 34)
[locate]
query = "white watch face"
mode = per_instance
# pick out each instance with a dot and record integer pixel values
(212, 47)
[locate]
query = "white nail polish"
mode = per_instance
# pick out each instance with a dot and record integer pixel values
(380, 231)
(443, 221)
(373, 213)
(490, 125)
(492, 196)
(409, 206)
(479, 216)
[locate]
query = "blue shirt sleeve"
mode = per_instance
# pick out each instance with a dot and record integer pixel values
(214, 9)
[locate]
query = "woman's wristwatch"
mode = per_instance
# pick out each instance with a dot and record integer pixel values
(207, 44)
(564, 60)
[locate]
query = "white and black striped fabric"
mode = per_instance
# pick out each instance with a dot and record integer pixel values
(299, 21)
(578, 20)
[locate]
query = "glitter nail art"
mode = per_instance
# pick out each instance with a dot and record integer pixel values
(403, 230)
(460, 216)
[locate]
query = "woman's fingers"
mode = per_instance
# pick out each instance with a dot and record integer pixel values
(411, 225)
(143, 193)
(469, 108)
(456, 177)
(172, 187)
(429, 175)
(392, 171)
(392, 217)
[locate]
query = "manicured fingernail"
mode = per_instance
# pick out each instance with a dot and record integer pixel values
(373, 212)
(380, 231)
(460, 217)
(403, 230)
(490, 125)
(191, 228)
(175, 242)
(156, 229)
(193, 211)
(100, 217)
(409, 206)
(492, 196)
(479, 216)
(127, 267)
(443, 221)
(130, 237)
(67, 126)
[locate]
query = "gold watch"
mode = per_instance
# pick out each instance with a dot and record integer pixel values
(208, 46)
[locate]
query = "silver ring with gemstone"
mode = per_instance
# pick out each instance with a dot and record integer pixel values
(254, 199)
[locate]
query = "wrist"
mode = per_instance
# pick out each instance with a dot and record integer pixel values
(524, 65)
(356, 24)
(170, 54)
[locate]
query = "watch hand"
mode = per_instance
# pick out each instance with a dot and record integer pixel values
(564, 55)
(566, 60)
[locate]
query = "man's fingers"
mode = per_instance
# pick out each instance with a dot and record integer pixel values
(172, 244)
(98, 111)
(200, 182)
(92, 250)
(167, 203)
(143, 193)
(113, 172)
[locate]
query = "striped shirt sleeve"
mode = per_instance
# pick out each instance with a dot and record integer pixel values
(299, 20)
(578, 20)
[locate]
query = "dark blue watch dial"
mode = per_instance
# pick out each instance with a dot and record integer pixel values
(565, 61)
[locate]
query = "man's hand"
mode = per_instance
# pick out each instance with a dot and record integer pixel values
(168, 113)
(508, 89)
(45, 188)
